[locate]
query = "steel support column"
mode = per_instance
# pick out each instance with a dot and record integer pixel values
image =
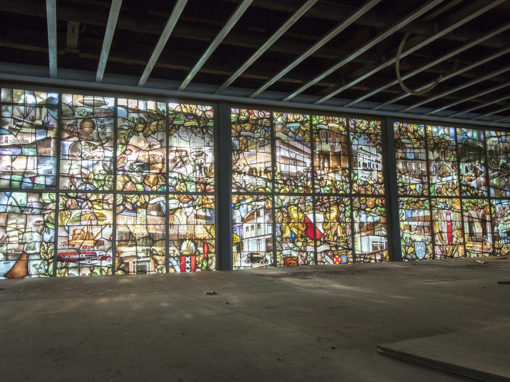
(390, 175)
(223, 179)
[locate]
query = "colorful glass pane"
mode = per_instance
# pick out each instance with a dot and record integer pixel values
(367, 161)
(191, 233)
(28, 130)
(471, 152)
(86, 146)
(443, 169)
(191, 148)
(251, 150)
(498, 160)
(334, 230)
(415, 229)
(411, 159)
(501, 226)
(331, 159)
(252, 240)
(477, 227)
(447, 227)
(27, 233)
(141, 145)
(85, 234)
(370, 232)
(295, 230)
(141, 227)
(292, 152)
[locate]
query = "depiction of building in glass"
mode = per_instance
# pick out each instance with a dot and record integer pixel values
(95, 184)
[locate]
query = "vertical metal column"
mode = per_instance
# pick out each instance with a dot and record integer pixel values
(390, 176)
(223, 179)
(114, 187)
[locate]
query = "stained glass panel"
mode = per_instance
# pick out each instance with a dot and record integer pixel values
(28, 147)
(251, 150)
(191, 233)
(477, 227)
(85, 234)
(367, 161)
(334, 230)
(293, 152)
(447, 227)
(498, 159)
(252, 241)
(415, 229)
(191, 148)
(370, 232)
(471, 151)
(443, 168)
(27, 233)
(141, 227)
(501, 226)
(331, 159)
(86, 146)
(411, 159)
(295, 230)
(141, 145)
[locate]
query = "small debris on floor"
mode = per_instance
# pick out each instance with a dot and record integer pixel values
(481, 262)
(506, 282)
(211, 293)
(501, 258)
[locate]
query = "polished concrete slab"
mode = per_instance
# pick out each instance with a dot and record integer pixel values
(482, 354)
(300, 324)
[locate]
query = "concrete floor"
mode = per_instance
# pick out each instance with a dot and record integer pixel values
(293, 324)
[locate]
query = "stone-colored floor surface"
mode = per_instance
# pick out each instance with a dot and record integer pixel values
(299, 324)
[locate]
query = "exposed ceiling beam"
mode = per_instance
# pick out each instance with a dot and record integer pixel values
(493, 112)
(108, 38)
(479, 106)
(51, 17)
(291, 21)
(17, 73)
(501, 119)
(476, 64)
(165, 35)
(324, 10)
(418, 46)
(216, 42)
(382, 36)
(331, 34)
(335, 10)
(457, 88)
(477, 95)
(431, 64)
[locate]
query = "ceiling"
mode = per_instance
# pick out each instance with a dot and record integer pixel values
(329, 54)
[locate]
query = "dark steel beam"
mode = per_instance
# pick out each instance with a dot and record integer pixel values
(418, 46)
(324, 40)
(382, 36)
(285, 27)
(477, 95)
(51, 17)
(216, 42)
(17, 73)
(493, 112)
(108, 38)
(479, 106)
(165, 35)
(432, 63)
(476, 64)
(458, 88)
